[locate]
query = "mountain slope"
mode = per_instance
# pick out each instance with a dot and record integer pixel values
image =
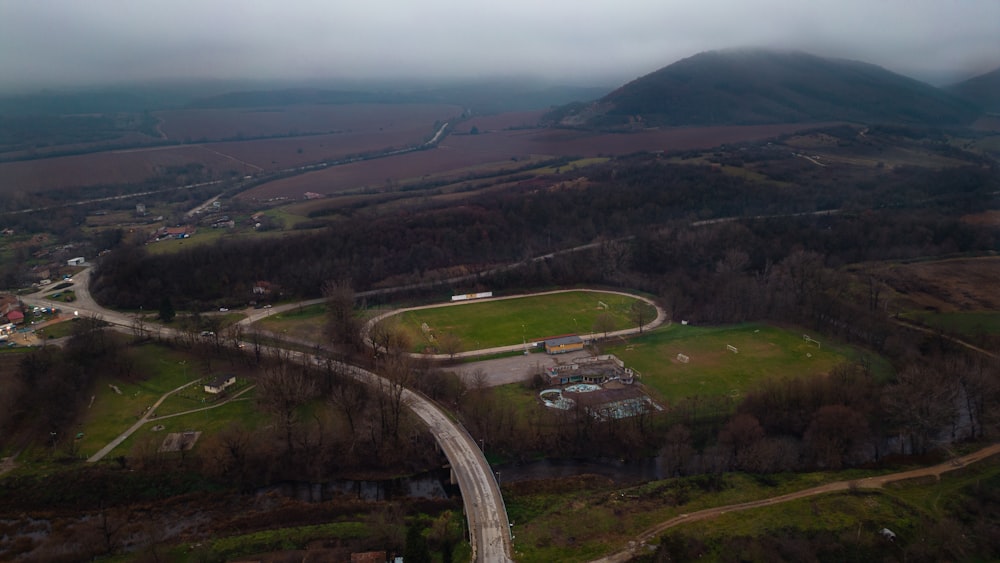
(983, 90)
(757, 86)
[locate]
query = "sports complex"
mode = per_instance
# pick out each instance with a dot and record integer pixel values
(619, 372)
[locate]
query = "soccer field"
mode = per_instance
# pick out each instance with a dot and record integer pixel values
(763, 351)
(504, 322)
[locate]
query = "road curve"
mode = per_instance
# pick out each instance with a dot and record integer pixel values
(489, 529)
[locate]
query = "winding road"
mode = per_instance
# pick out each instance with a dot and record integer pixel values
(489, 529)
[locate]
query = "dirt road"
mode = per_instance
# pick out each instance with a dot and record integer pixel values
(638, 545)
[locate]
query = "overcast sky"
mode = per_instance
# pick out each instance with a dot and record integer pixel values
(68, 42)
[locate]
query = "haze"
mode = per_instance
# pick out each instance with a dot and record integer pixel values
(59, 43)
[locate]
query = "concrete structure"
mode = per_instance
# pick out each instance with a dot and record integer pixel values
(220, 383)
(563, 344)
(596, 370)
(78, 261)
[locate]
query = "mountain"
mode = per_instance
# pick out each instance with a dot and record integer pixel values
(758, 86)
(983, 90)
(480, 97)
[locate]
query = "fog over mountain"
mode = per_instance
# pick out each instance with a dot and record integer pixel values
(59, 43)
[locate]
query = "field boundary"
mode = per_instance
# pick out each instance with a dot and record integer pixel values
(661, 317)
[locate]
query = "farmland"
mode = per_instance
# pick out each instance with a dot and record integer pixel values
(348, 130)
(232, 124)
(505, 146)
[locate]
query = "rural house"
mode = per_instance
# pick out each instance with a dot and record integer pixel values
(15, 317)
(219, 383)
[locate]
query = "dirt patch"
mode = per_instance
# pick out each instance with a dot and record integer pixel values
(177, 441)
(963, 284)
(984, 219)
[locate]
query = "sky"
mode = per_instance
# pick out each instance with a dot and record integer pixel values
(59, 43)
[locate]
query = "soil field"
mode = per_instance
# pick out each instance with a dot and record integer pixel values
(216, 124)
(464, 151)
(362, 131)
(963, 284)
(106, 168)
(510, 120)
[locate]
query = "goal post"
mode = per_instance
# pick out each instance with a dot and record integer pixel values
(732, 349)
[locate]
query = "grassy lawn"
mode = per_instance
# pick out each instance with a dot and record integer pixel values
(243, 411)
(966, 323)
(900, 507)
(548, 525)
(485, 324)
(202, 236)
(764, 351)
(305, 322)
(111, 413)
(195, 397)
(56, 330)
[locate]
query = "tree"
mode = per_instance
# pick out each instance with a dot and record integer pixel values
(350, 396)
(282, 389)
(922, 404)
(740, 437)
(416, 546)
(638, 313)
(342, 324)
(604, 323)
(167, 312)
(450, 343)
(836, 431)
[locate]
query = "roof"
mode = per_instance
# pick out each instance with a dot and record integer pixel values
(564, 340)
(220, 380)
(15, 315)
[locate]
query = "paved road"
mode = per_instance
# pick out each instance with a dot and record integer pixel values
(638, 546)
(484, 507)
(481, 497)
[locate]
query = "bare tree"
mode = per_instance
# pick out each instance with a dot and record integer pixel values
(343, 326)
(922, 404)
(282, 389)
(350, 396)
(740, 437)
(836, 432)
(397, 374)
(450, 343)
(638, 314)
(604, 323)
(389, 337)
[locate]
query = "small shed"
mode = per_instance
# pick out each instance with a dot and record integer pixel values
(563, 344)
(219, 383)
(78, 261)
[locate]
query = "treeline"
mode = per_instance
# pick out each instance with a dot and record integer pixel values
(640, 197)
(40, 401)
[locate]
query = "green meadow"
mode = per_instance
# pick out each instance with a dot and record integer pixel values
(503, 322)
(763, 351)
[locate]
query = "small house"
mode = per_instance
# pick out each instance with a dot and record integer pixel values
(78, 261)
(15, 317)
(219, 383)
(563, 344)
